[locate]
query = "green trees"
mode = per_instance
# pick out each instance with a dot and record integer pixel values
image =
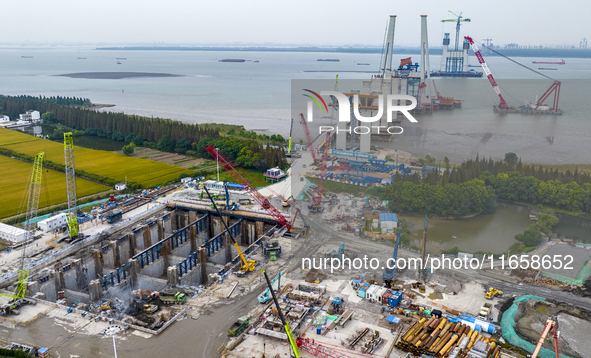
(129, 149)
(166, 144)
(58, 134)
(511, 158)
(182, 146)
(447, 200)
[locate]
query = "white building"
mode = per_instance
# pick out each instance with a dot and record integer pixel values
(186, 180)
(11, 233)
(4, 118)
(31, 116)
(388, 221)
(120, 186)
(55, 222)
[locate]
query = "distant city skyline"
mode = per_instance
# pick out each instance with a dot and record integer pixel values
(272, 23)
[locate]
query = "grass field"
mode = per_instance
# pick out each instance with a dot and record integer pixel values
(108, 164)
(14, 180)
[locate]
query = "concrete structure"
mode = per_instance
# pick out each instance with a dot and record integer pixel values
(388, 221)
(120, 186)
(55, 222)
(11, 233)
(186, 180)
(30, 116)
(454, 61)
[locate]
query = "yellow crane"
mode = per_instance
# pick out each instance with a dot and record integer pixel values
(34, 192)
(247, 265)
(71, 184)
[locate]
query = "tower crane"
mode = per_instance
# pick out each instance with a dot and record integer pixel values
(34, 192)
(72, 216)
(308, 137)
(491, 79)
(458, 20)
(550, 325)
(230, 167)
(388, 274)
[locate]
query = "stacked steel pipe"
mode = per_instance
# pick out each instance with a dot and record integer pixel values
(439, 337)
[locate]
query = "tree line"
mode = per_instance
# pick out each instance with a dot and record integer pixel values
(164, 134)
(456, 200)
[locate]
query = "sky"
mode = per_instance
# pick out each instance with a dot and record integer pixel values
(301, 22)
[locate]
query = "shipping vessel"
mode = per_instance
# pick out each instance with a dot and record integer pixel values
(546, 68)
(328, 59)
(549, 63)
(233, 60)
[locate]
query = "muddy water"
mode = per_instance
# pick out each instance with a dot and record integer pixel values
(492, 232)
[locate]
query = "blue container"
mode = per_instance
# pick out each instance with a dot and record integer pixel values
(318, 330)
(394, 299)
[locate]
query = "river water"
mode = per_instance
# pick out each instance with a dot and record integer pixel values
(492, 232)
(257, 95)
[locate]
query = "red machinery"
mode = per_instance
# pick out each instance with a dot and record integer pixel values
(554, 88)
(230, 167)
(550, 325)
(503, 104)
(308, 138)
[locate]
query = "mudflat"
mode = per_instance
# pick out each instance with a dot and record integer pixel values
(116, 75)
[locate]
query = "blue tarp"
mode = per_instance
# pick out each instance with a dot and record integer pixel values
(392, 319)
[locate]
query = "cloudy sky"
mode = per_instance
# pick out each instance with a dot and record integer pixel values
(314, 22)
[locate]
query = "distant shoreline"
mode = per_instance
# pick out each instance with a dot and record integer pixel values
(541, 53)
(116, 75)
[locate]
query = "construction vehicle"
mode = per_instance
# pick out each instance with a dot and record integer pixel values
(290, 336)
(145, 295)
(485, 311)
(339, 254)
(537, 107)
(178, 297)
(286, 203)
(72, 215)
(390, 270)
(550, 325)
(32, 193)
(493, 292)
(107, 306)
(231, 168)
(316, 207)
(233, 206)
(239, 326)
(266, 296)
(150, 308)
(247, 265)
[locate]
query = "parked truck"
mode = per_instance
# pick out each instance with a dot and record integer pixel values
(239, 326)
(485, 311)
(177, 298)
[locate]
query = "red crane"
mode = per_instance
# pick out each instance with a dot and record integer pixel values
(554, 88)
(503, 104)
(230, 167)
(308, 138)
(324, 164)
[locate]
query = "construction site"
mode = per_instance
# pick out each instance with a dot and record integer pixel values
(141, 262)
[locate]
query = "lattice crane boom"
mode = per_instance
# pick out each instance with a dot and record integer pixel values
(71, 184)
(491, 79)
(308, 137)
(228, 165)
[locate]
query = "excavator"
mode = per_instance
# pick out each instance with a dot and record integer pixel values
(390, 270)
(247, 265)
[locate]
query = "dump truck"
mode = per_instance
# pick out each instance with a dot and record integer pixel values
(485, 312)
(239, 326)
(177, 298)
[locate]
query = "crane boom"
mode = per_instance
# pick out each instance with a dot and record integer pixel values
(308, 137)
(389, 272)
(323, 165)
(71, 184)
(503, 104)
(550, 325)
(230, 167)
(32, 208)
(247, 266)
(292, 340)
